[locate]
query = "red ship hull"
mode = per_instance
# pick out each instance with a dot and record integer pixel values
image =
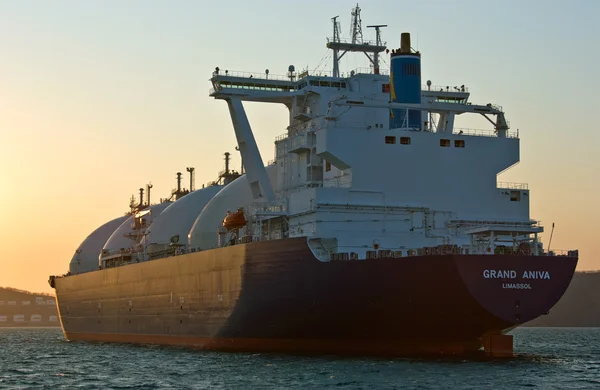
(276, 296)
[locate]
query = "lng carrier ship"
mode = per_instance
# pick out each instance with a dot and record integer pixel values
(379, 229)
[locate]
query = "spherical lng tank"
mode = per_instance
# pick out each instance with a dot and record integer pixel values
(203, 234)
(175, 222)
(85, 258)
(120, 240)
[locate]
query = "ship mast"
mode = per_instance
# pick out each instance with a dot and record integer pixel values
(356, 29)
(378, 42)
(356, 43)
(334, 46)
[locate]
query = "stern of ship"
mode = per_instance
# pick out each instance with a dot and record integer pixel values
(514, 290)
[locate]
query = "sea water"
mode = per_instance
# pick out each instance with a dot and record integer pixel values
(546, 358)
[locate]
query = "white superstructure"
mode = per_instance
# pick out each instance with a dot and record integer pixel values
(357, 185)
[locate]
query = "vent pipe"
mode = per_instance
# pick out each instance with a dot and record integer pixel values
(178, 182)
(227, 154)
(191, 171)
(148, 187)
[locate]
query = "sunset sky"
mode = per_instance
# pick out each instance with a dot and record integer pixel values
(98, 98)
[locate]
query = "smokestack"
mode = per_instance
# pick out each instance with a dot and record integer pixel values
(405, 43)
(141, 196)
(178, 182)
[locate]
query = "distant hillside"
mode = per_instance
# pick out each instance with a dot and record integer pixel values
(23, 308)
(579, 307)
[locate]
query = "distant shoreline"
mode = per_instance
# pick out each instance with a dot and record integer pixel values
(28, 326)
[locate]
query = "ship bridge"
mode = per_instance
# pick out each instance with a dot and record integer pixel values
(267, 88)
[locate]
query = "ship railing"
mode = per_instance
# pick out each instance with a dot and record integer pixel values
(251, 75)
(512, 186)
(501, 229)
(299, 75)
(269, 208)
(445, 88)
(251, 86)
(245, 239)
(324, 73)
(296, 129)
(562, 253)
(349, 41)
(482, 133)
(474, 222)
(264, 82)
(497, 225)
(343, 181)
(457, 131)
(281, 137)
(347, 74)
(121, 251)
(497, 107)
(363, 70)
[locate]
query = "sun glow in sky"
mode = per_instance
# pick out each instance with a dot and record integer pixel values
(98, 98)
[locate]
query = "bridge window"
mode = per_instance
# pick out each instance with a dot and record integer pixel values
(336, 84)
(327, 166)
(459, 143)
(515, 196)
(445, 143)
(404, 140)
(390, 139)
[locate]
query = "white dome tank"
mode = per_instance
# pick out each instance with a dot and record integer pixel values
(203, 234)
(85, 258)
(118, 239)
(177, 220)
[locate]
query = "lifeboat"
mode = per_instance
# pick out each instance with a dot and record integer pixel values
(235, 220)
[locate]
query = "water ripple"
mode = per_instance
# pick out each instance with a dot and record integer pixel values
(549, 358)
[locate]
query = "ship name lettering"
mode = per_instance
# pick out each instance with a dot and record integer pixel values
(536, 275)
(499, 274)
(516, 286)
(512, 274)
